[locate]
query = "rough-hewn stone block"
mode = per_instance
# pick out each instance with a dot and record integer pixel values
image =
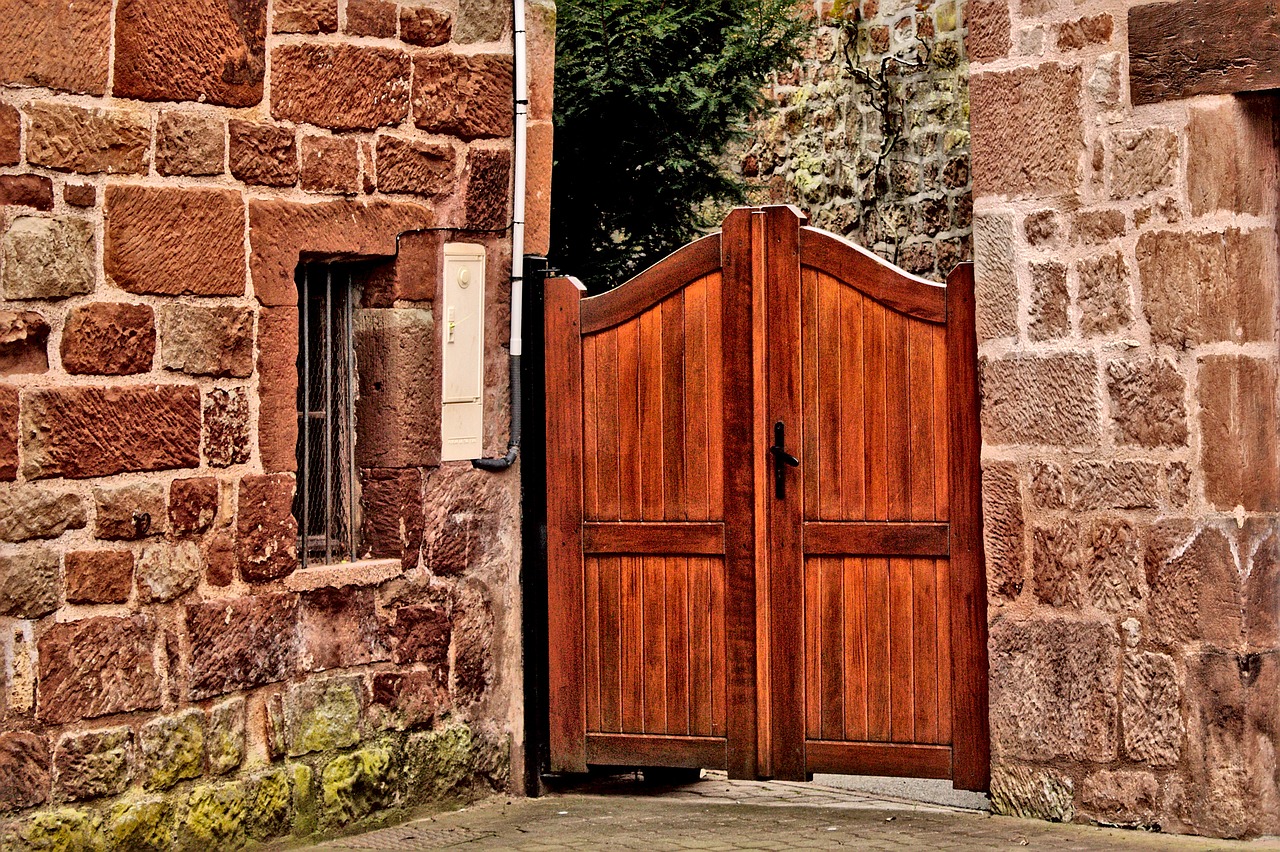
(29, 583)
(330, 164)
(95, 667)
(481, 21)
(10, 136)
(1194, 585)
(339, 628)
(30, 511)
(47, 258)
(191, 50)
(342, 87)
(170, 241)
(398, 406)
(392, 514)
(1032, 793)
(1104, 294)
(1147, 404)
(190, 143)
(56, 44)
(77, 139)
(1230, 156)
(24, 343)
(373, 18)
(1082, 32)
(193, 504)
(1039, 400)
(1142, 161)
(203, 341)
(26, 191)
(99, 576)
(425, 26)
(323, 714)
(1151, 713)
(1002, 529)
(1055, 563)
(1026, 131)
(988, 30)
(488, 177)
(166, 572)
(24, 770)
(1131, 799)
(80, 432)
(266, 531)
(403, 700)
(220, 558)
(224, 736)
(1113, 578)
(80, 194)
(226, 427)
(92, 764)
(263, 154)
(1238, 422)
(305, 16)
(1047, 315)
(278, 388)
(1114, 485)
(8, 433)
(240, 642)
(109, 339)
(464, 96)
(129, 512)
(172, 749)
(421, 634)
(421, 168)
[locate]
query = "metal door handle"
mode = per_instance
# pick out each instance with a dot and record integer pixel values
(781, 460)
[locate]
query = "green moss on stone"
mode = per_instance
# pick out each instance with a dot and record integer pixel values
(215, 817)
(272, 805)
(356, 784)
(946, 55)
(224, 744)
(305, 818)
(438, 763)
(63, 830)
(173, 748)
(144, 826)
(323, 715)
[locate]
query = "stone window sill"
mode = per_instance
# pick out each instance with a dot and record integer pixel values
(364, 572)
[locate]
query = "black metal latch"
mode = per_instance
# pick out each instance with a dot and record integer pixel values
(781, 459)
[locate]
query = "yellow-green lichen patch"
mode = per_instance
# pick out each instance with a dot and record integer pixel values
(321, 715)
(143, 826)
(356, 784)
(305, 817)
(272, 805)
(63, 830)
(215, 817)
(173, 749)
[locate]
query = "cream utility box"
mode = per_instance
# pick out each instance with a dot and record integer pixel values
(462, 334)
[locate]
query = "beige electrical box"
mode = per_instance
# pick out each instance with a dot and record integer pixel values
(462, 334)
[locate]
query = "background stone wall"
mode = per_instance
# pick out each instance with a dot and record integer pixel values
(1127, 321)
(169, 676)
(869, 134)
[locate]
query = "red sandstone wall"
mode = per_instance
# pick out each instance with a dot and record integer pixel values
(1127, 315)
(167, 671)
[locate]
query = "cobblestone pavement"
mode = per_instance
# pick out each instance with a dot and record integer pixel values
(717, 814)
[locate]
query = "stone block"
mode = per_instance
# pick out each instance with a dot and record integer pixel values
(421, 634)
(278, 388)
(373, 18)
(99, 576)
(1238, 421)
(220, 558)
(988, 30)
(1028, 793)
(1147, 402)
(323, 714)
(80, 194)
(10, 136)
(109, 339)
(201, 341)
(190, 143)
(473, 635)
(355, 784)
(420, 168)
(29, 583)
(398, 406)
(87, 141)
(488, 179)
(1047, 316)
(28, 512)
(464, 96)
(1048, 489)
(193, 505)
(537, 189)
(224, 736)
(407, 700)
(1151, 709)
(1053, 691)
(338, 629)
(1142, 161)
(1194, 585)
(392, 514)
(1129, 799)
(24, 770)
(263, 154)
(1220, 797)
(167, 571)
(439, 763)
(226, 427)
(129, 512)
(173, 749)
(1040, 400)
(158, 237)
(411, 276)
(272, 807)
(62, 45)
(146, 825)
(34, 191)
(1055, 563)
(305, 16)
(241, 642)
(1113, 578)
(1096, 227)
(425, 26)
(96, 667)
(1262, 585)
(93, 764)
(266, 531)
(330, 164)
(210, 51)
(24, 338)
(47, 258)
(341, 87)
(1104, 294)
(481, 21)
(1230, 156)
(1114, 485)
(1084, 32)
(217, 817)
(1026, 131)
(1042, 228)
(1103, 85)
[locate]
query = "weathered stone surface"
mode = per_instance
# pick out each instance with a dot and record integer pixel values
(1194, 585)
(95, 667)
(480, 21)
(193, 504)
(215, 341)
(24, 770)
(398, 407)
(537, 190)
(99, 576)
(305, 16)
(172, 749)
(1104, 294)
(263, 154)
(10, 135)
(81, 432)
(220, 558)
(339, 628)
(1114, 485)
(87, 141)
(1147, 404)
(1130, 799)
(191, 50)
(421, 634)
(1042, 228)
(266, 531)
(1048, 491)
(425, 26)
(323, 714)
(1055, 563)
(1047, 316)
(28, 511)
(356, 784)
(109, 339)
(168, 571)
(406, 700)
(242, 642)
(1238, 421)
(1199, 288)
(226, 427)
(392, 514)
(224, 736)
(217, 816)
(24, 337)
(190, 143)
(272, 807)
(129, 512)
(1151, 712)
(8, 433)
(342, 87)
(1113, 578)
(988, 30)
(1032, 793)
(278, 387)
(26, 191)
(409, 276)
(464, 96)
(146, 825)
(62, 45)
(373, 18)
(47, 258)
(330, 164)
(80, 194)
(1262, 584)
(1229, 156)
(1082, 32)
(157, 238)
(29, 583)
(1026, 131)
(1142, 161)
(1039, 400)
(92, 764)
(473, 639)
(421, 168)
(488, 177)
(1053, 690)
(1219, 799)
(1095, 227)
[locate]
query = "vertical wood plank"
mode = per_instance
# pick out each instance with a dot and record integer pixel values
(809, 441)
(700, 652)
(941, 466)
(812, 632)
(924, 475)
(852, 419)
(565, 675)
(629, 421)
(875, 412)
(943, 602)
(831, 461)
(723, 689)
(715, 399)
(633, 645)
(590, 417)
(591, 626)
(655, 644)
(651, 415)
(879, 696)
(611, 664)
(855, 649)
(674, 438)
(925, 651)
(697, 444)
(607, 470)
(901, 651)
(831, 584)
(677, 599)
(898, 416)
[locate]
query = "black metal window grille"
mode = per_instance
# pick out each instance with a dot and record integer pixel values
(325, 503)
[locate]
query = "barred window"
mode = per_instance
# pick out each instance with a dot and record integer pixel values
(326, 501)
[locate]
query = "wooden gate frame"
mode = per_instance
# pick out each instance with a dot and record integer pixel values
(756, 243)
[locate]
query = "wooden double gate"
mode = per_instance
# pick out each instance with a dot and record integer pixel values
(764, 533)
